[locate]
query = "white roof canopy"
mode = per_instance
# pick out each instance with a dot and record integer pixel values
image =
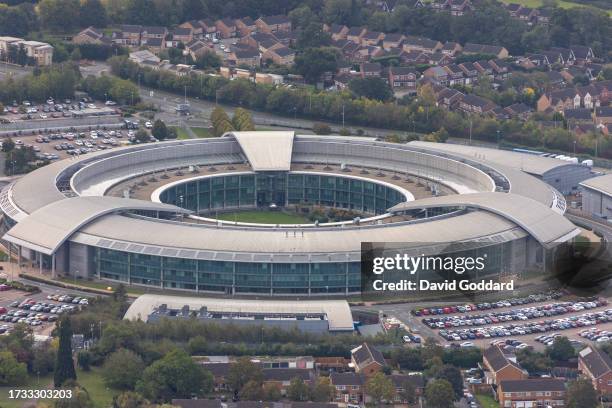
(267, 151)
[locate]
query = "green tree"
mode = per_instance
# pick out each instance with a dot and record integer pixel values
(271, 392)
(130, 399)
(371, 88)
(122, 369)
(439, 394)
(453, 376)
(313, 62)
(160, 130)
(208, 60)
(64, 364)
(92, 13)
(142, 136)
(8, 145)
(581, 394)
(241, 372)
(12, 372)
(242, 120)
(323, 390)
(80, 397)
(408, 392)
(59, 15)
(313, 36)
(297, 390)
(380, 388)
(75, 55)
(561, 349)
(252, 391)
(84, 359)
(220, 121)
(176, 375)
(533, 361)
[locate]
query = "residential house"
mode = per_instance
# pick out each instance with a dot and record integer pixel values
(209, 28)
(245, 26)
(413, 57)
(603, 115)
(331, 364)
(527, 14)
(197, 403)
(471, 103)
(412, 43)
(558, 101)
(249, 57)
(226, 28)
(91, 36)
(153, 33)
(536, 60)
(367, 360)
(399, 383)
(196, 28)
(270, 79)
(254, 40)
(273, 24)
(281, 377)
(484, 68)
(470, 72)
(451, 48)
(437, 58)
(499, 51)
(372, 38)
(350, 387)
(501, 70)
(519, 110)
(582, 54)
(370, 69)
(355, 34)
(583, 128)
(455, 74)
(156, 44)
(513, 9)
(544, 16)
(459, 7)
(501, 366)
(535, 392)
(402, 78)
(578, 115)
(269, 44)
(392, 41)
(448, 98)
(287, 38)
(130, 35)
(555, 79)
(366, 53)
(337, 31)
(219, 372)
(437, 75)
(280, 55)
(181, 35)
(197, 48)
(565, 56)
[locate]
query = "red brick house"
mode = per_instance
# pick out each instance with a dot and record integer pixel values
(535, 392)
(501, 366)
(596, 365)
(273, 24)
(367, 360)
(350, 387)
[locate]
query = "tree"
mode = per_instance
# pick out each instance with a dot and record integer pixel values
(242, 120)
(160, 130)
(380, 388)
(323, 390)
(297, 390)
(533, 361)
(75, 55)
(561, 349)
(271, 392)
(8, 145)
(92, 13)
(313, 36)
(408, 392)
(241, 372)
(142, 136)
(130, 399)
(80, 397)
(453, 375)
(208, 60)
(122, 369)
(176, 375)
(313, 62)
(581, 394)
(251, 391)
(220, 121)
(371, 88)
(64, 365)
(84, 360)
(12, 372)
(439, 394)
(59, 15)
(321, 128)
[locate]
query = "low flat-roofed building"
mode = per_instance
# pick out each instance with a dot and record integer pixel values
(597, 196)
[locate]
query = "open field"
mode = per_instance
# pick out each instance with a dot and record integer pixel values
(263, 217)
(561, 3)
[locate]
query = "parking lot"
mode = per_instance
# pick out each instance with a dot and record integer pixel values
(530, 322)
(39, 310)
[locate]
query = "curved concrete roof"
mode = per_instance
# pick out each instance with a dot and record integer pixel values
(530, 163)
(47, 228)
(544, 225)
(603, 184)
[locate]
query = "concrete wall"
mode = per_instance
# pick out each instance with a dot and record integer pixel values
(596, 204)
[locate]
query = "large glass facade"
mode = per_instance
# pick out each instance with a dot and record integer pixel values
(263, 189)
(228, 277)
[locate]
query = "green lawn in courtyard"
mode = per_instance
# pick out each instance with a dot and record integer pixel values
(200, 132)
(264, 217)
(486, 401)
(100, 394)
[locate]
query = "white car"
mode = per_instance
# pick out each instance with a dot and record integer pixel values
(110, 103)
(92, 106)
(148, 125)
(467, 344)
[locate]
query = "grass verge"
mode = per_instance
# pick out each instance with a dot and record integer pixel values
(263, 217)
(486, 401)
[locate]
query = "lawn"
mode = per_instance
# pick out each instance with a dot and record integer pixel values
(100, 285)
(264, 217)
(561, 3)
(486, 401)
(101, 396)
(200, 132)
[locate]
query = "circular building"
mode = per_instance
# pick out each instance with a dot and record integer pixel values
(170, 214)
